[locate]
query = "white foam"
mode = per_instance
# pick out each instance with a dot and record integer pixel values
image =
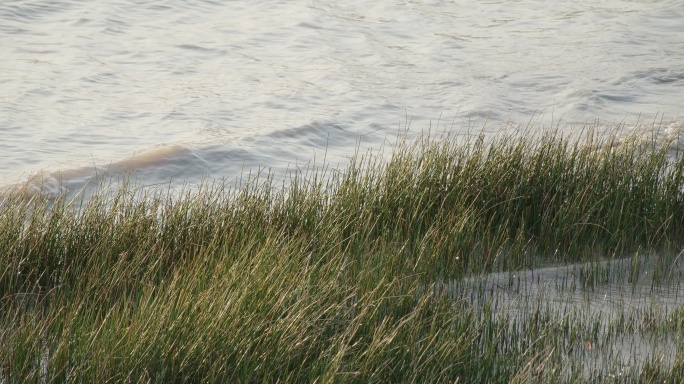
(656, 134)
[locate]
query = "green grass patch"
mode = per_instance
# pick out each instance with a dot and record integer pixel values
(336, 276)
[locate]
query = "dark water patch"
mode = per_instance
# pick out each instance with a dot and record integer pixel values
(670, 77)
(618, 98)
(197, 49)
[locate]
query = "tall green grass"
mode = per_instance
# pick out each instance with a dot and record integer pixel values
(322, 278)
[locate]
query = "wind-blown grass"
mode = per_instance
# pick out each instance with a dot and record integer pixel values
(331, 275)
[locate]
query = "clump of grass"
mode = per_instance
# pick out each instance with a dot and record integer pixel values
(324, 277)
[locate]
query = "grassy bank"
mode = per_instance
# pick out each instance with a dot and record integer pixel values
(335, 276)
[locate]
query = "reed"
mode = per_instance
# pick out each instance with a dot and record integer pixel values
(340, 275)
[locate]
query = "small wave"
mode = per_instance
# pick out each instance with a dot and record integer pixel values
(60, 182)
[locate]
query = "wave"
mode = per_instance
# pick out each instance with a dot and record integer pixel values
(60, 182)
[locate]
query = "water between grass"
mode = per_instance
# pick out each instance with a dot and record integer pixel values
(615, 315)
(625, 306)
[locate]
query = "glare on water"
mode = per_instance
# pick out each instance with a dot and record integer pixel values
(246, 84)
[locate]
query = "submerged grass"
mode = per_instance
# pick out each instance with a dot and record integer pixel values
(334, 276)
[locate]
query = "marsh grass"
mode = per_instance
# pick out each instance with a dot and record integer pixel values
(336, 276)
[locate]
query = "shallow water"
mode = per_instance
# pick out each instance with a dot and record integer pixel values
(623, 299)
(209, 89)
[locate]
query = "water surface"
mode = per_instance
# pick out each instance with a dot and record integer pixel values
(213, 88)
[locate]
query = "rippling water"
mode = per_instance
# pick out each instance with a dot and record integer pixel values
(185, 90)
